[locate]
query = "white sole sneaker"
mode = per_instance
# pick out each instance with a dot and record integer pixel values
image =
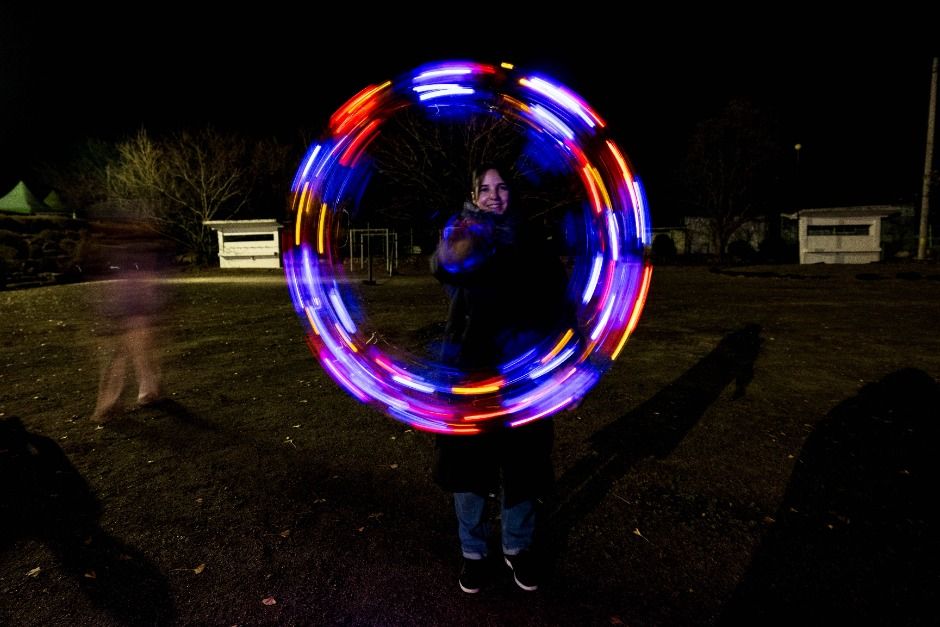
(516, 579)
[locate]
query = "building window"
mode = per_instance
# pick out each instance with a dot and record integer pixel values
(838, 229)
(254, 237)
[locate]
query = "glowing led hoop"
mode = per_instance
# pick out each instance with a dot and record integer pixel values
(613, 275)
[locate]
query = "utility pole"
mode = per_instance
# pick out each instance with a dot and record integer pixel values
(928, 166)
(798, 148)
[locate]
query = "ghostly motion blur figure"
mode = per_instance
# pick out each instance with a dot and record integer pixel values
(129, 307)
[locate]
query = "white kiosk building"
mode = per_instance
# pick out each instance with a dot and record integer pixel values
(248, 243)
(841, 234)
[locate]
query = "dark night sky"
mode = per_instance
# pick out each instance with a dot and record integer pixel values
(858, 104)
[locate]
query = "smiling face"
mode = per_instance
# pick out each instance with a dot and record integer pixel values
(491, 193)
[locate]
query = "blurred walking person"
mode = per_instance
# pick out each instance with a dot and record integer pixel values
(129, 307)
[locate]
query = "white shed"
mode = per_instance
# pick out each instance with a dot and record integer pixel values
(841, 234)
(248, 243)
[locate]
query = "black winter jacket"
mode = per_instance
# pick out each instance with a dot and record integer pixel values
(508, 300)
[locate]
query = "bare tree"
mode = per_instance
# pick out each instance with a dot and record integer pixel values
(424, 163)
(175, 185)
(136, 178)
(271, 168)
(427, 163)
(729, 170)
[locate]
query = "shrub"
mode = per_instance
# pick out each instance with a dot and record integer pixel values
(741, 251)
(663, 250)
(777, 250)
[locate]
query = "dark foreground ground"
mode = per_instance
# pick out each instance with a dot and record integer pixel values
(764, 451)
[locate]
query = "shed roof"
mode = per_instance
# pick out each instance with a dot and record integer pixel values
(863, 211)
(223, 223)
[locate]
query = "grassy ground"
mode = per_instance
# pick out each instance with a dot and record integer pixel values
(762, 451)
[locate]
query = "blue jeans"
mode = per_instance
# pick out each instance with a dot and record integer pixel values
(517, 525)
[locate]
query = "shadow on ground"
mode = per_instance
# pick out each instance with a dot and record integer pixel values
(854, 541)
(654, 428)
(44, 498)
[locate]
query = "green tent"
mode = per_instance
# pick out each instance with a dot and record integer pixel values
(54, 202)
(22, 201)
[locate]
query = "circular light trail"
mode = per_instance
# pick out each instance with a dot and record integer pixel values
(610, 275)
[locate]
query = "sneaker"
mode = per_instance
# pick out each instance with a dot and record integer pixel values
(472, 575)
(524, 570)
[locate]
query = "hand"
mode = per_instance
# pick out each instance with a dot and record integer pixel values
(475, 226)
(455, 248)
(463, 239)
